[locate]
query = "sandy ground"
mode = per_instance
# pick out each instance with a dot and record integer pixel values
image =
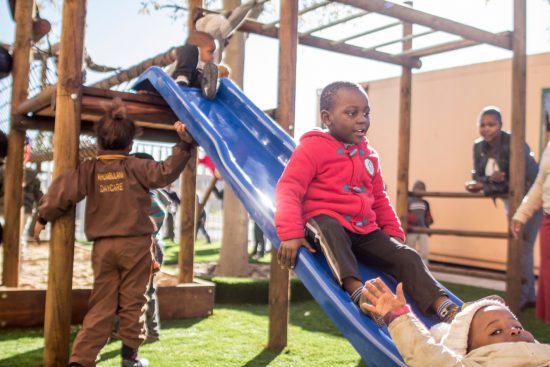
(34, 272)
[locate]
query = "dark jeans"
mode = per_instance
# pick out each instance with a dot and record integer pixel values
(187, 60)
(344, 248)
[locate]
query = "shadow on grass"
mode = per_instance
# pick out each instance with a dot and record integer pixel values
(180, 323)
(109, 355)
(264, 358)
(206, 252)
(305, 315)
(30, 358)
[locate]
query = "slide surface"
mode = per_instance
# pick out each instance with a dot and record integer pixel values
(251, 151)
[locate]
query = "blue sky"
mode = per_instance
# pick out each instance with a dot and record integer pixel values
(118, 35)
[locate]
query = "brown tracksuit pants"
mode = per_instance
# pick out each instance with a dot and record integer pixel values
(122, 267)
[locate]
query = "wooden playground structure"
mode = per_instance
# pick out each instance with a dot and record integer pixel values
(72, 108)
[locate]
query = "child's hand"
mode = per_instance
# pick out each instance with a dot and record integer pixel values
(473, 186)
(183, 133)
(382, 298)
(37, 229)
(286, 256)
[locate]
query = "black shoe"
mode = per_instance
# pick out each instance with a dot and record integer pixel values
(209, 81)
(182, 84)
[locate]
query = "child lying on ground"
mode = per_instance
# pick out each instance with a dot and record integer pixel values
(483, 333)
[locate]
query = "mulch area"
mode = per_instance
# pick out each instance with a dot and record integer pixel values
(34, 272)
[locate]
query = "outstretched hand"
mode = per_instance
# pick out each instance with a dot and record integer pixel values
(382, 298)
(286, 256)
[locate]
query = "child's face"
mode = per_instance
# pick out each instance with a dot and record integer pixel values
(348, 120)
(489, 127)
(495, 324)
(207, 53)
(419, 187)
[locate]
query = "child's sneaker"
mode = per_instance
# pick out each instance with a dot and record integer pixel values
(135, 362)
(209, 81)
(449, 313)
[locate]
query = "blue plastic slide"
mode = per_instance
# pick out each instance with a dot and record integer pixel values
(251, 150)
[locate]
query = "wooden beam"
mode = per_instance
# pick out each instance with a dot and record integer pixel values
(514, 272)
(458, 232)
(279, 282)
(413, 16)
(404, 138)
(188, 193)
(133, 72)
(13, 190)
(467, 272)
(57, 318)
(148, 131)
(234, 251)
(446, 47)
(446, 194)
(252, 26)
(25, 307)
(42, 100)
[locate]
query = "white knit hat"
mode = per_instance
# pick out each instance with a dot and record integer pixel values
(455, 335)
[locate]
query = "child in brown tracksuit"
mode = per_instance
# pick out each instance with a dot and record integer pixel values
(117, 220)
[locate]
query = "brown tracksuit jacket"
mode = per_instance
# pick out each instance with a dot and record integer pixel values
(116, 186)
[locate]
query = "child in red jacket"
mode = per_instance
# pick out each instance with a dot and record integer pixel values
(333, 187)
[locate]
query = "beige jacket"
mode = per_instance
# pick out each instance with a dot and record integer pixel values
(419, 349)
(539, 194)
(117, 189)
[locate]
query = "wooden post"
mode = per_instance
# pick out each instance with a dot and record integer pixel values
(13, 190)
(279, 283)
(517, 160)
(66, 137)
(404, 145)
(188, 203)
(234, 252)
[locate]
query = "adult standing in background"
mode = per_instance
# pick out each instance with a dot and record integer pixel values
(491, 175)
(538, 195)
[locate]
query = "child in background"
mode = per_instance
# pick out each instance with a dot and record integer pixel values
(419, 216)
(333, 183)
(484, 333)
(117, 189)
(259, 242)
(157, 213)
(194, 66)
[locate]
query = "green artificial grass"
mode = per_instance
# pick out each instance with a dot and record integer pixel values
(204, 252)
(235, 335)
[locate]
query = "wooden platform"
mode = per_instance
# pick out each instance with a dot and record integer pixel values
(150, 112)
(25, 308)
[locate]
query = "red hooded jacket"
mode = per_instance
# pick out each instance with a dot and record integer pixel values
(326, 176)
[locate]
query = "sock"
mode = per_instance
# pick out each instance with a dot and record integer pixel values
(128, 352)
(356, 295)
(447, 310)
(182, 80)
